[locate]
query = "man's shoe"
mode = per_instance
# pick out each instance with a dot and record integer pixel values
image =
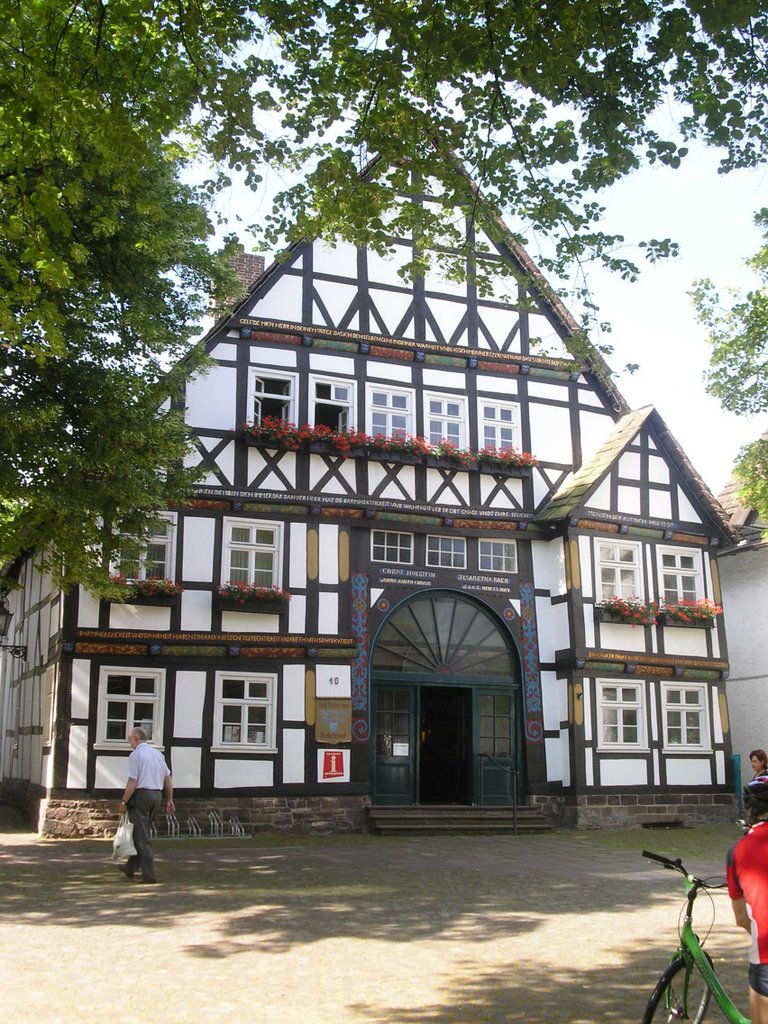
(124, 871)
(146, 881)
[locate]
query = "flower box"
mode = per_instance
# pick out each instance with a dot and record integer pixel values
(665, 619)
(404, 458)
(627, 612)
(157, 600)
(604, 615)
(501, 469)
(251, 604)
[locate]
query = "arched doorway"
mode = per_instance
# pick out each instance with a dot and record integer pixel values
(445, 705)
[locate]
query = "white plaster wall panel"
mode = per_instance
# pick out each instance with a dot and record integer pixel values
(499, 387)
(448, 317)
(233, 333)
(342, 760)
(332, 300)
(136, 616)
(588, 397)
(398, 372)
(585, 566)
(297, 614)
(293, 755)
(541, 487)
(624, 772)
(46, 770)
(188, 705)
(339, 258)
(405, 476)
(719, 767)
(555, 756)
(272, 481)
(250, 622)
(629, 466)
(328, 545)
(617, 636)
(629, 500)
(550, 433)
(692, 642)
(688, 513)
(717, 722)
(297, 566)
(656, 768)
(321, 363)
(293, 693)
(651, 444)
(552, 622)
(211, 398)
(499, 323)
(649, 569)
(227, 353)
(551, 342)
(333, 681)
(384, 269)
(318, 470)
(589, 767)
(549, 565)
(199, 537)
(196, 610)
(651, 693)
(81, 685)
(594, 431)
(660, 504)
(488, 485)
(328, 613)
(452, 496)
(550, 391)
(233, 774)
(78, 757)
(392, 308)
(688, 772)
(225, 460)
(87, 610)
(282, 300)
(601, 498)
(589, 627)
(445, 379)
(554, 698)
(658, 470)
(185, 765)
(262, 355)
(111, 772)
(587, 688)
(435, 282)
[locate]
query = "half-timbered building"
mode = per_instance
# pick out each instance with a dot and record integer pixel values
(437, 623)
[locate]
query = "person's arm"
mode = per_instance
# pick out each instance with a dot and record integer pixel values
(740, 915)
(130, 786)
(170, 806)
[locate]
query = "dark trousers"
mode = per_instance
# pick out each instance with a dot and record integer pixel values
(143, 806)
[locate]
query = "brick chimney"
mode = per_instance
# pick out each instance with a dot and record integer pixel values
(249, 268)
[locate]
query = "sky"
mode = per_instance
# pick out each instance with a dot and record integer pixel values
(653, 321)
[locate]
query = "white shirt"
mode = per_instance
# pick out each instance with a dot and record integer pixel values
(147, 766)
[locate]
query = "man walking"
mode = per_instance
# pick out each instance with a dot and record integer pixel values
(148, 779)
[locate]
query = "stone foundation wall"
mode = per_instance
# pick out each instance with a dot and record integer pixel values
(76, 819)
(622, 810)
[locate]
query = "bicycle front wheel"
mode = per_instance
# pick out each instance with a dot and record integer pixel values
(680, 994)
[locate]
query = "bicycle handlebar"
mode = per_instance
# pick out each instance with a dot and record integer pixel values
(677, 865)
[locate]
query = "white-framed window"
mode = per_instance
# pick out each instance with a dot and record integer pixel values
(130, 697)
(679, 575)
(499, 424)
(618, 569)
(252, 551)
(445, 418)
(390, 411)
(332, 403)
(447, 552)
(621, 714)
(273, 394)
(244, 717)
(497, 555)
(685, 716)
(392, 547)
(153, 558)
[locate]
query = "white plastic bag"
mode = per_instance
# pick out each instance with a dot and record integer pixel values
(122, 844)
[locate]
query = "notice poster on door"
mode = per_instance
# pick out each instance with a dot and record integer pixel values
(333, 766)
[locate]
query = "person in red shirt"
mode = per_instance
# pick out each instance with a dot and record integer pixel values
(747, 873)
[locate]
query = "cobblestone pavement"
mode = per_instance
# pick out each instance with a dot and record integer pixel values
(568, 927)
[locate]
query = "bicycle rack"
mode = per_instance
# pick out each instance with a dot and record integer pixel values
(216, 824)
(192, 826)
(172, 825)
(236, 827)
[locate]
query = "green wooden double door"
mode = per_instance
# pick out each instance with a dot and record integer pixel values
(440, 744)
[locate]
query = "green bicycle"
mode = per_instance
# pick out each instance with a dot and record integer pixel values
(685, 989)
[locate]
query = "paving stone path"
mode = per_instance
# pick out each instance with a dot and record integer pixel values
(571, 927)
